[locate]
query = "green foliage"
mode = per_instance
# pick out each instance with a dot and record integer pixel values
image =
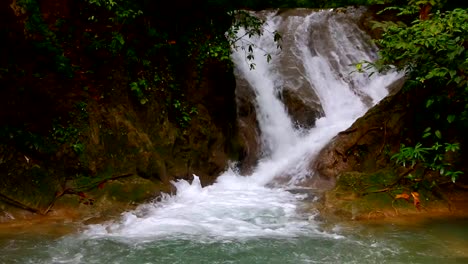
(252, 26)
(45, 39)
(114, 14)
(220, 43)
(139, 88)
(122, 9)
(430, 157)
(67, 135)
(431, 51)
(183, 113)
(434, 157)
(117, 43)
(70, 133)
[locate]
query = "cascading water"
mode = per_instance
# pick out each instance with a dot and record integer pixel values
(262, 217)
(240, 206)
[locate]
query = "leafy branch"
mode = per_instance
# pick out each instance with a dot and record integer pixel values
(431, 51)
(252, 27)
(432, 157)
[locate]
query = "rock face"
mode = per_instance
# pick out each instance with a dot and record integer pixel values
(365, 146)
(301, 102)
(302, 107)
(356, 167)
(66, 133)
(249, 131)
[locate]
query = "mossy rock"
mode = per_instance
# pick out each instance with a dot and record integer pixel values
(369, 195)
(364, 182)
(112, 197)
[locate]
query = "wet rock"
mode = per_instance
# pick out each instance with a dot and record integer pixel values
(249, 131)
(365, 146)
(302, 106)
(296, 92)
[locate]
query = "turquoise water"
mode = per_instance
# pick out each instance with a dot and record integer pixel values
(429, 242)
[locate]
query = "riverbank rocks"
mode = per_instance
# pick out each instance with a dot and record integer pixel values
(361, 196)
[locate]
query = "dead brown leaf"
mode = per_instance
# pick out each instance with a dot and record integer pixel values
(402, 196)
(416, 201)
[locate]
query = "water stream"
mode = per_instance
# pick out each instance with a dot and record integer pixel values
(246, 218)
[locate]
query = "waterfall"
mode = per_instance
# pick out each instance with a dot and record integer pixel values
(318, 52)
(323, 47)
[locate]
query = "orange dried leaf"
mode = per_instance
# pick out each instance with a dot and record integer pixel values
(402, 196)
(416, 201)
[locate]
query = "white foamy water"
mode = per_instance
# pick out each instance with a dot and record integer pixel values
(214, 212)
(246, 206)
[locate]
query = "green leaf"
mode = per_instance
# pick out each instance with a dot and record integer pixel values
(438, 134)
(451, 147)
(427, 132)
(436, 146)
(450, 118)
(452, 73)
(119, 38)
(429, 103)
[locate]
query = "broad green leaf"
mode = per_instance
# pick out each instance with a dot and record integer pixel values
(429, 102)
(450, 118)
